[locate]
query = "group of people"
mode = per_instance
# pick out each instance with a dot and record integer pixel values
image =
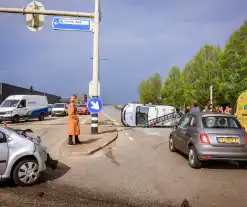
(218, 109)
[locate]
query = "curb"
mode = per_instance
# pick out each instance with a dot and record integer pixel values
(64, 152)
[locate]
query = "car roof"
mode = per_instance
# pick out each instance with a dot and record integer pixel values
(203, 114)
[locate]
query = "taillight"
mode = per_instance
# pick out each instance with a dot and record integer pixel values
(246, 138)
(204, 139)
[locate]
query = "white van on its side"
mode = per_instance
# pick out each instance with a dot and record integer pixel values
(17, 107)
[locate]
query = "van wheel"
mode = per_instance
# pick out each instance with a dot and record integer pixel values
(16, 119)
(41, 117)
(26, 172)
(194, 162)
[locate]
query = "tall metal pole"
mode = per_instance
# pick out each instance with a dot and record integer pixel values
(94, 121)
(211, 98)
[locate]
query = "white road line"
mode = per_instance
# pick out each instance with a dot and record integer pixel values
(131, 138)
(117, 123)
(126, 133)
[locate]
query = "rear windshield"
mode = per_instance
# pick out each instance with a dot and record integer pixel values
(58, 106)
(220, 122)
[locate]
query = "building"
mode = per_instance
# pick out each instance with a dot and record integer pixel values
(8, 90)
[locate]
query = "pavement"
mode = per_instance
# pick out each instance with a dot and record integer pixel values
(137, 169)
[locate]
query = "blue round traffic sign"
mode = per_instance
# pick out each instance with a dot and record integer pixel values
(95, 105)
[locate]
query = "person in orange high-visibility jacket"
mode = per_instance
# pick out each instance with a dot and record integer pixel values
(73, 122)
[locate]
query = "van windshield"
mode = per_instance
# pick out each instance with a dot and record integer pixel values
(10, 103)
(58, 106)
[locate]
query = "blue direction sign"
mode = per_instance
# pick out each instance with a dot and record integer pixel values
(95, 105)
(72, 24)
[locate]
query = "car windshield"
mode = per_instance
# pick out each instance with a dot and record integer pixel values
(58, 106)
(221, 122)
(10, 103)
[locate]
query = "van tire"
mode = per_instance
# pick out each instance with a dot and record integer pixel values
(41, 117)
(16, 119)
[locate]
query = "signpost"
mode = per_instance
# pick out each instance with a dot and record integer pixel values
(72, 24)
(35, 12)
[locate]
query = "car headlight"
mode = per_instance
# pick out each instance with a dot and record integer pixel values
(9, 112)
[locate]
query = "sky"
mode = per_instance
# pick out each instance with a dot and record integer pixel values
(137, 37)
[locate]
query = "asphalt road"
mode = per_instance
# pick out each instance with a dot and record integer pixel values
(137, 170)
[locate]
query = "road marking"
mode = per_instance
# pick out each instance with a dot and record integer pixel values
(126, 133)
(131, 138)
(116, 123)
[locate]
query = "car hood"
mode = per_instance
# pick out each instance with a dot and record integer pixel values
(5, 109)
(58, 109)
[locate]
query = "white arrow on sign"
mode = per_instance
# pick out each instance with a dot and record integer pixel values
(95, 105)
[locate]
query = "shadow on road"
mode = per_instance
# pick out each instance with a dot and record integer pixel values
(47, 176)
(222, 164)
(90, 141)
(108, 131)
(51, 175)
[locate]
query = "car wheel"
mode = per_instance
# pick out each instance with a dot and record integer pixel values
(16, 119)
(26, 172)
(172, 147)
(194, 162)
(41, 117)
(242, 164)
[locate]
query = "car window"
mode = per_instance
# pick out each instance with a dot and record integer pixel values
(22, 104)
(220, 122)
(2, 137)
(184, 121)
(193, 121)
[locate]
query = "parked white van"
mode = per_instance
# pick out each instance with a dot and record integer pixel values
(24, 107)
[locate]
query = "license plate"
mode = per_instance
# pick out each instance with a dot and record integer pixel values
(228, 140)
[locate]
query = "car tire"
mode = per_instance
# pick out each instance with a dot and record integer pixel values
(242, 164)
(26, 172)
(194, 162)
(172, 147)
(41, 117)
(16, 119)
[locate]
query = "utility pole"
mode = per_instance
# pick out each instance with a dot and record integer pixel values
(211, 98)
(95, 81)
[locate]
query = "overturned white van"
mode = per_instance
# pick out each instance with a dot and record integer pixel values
(24, 107)
(148, 115)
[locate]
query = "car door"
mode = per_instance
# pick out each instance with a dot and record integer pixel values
(22, 109)
(181, 132)
(189, 131)
(3, 153)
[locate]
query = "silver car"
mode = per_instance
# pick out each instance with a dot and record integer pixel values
(21, 159)
(209, 136)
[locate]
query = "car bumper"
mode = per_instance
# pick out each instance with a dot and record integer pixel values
(5, 118)
(209, 152)
(58, 113)
(41, 155)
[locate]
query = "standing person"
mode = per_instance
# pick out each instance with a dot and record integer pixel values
(195, 108)
(218, 109)
(228, 110)
(73, 122)
(206, 109)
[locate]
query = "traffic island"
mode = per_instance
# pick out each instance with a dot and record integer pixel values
(92, 143)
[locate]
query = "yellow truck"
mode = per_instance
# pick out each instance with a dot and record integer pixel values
(241, 109)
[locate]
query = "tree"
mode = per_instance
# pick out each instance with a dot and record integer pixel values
(150, 89)
(172, 91)
(234, 65)
(31, 91)
(200, 73)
